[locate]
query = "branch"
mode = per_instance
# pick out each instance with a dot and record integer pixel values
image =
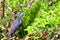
(29, 4)
(3, 5)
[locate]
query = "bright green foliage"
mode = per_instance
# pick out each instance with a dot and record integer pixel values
(42, 15)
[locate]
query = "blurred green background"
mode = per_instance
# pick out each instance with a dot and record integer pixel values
(43, 15)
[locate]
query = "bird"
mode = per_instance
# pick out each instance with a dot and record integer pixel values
(15, 24)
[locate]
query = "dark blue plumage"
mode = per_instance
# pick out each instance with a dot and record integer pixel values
(15, 24)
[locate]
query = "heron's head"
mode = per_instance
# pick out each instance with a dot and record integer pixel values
(19, 14)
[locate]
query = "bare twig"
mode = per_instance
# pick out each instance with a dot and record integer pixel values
(28, 4)
(2, 3)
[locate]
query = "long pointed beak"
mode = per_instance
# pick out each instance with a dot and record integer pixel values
(22, 13)
(19, 13)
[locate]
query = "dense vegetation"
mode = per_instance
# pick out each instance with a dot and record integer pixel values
(41, 21)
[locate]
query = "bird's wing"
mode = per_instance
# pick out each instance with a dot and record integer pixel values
(14, 27)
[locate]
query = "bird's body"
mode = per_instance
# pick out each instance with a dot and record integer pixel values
(15, 24)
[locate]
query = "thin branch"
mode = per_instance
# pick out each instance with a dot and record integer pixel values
(3, 5)
(29, 4)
